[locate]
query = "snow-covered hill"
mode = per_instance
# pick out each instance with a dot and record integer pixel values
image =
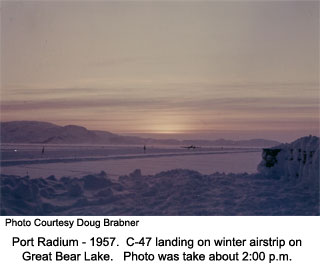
(42, 132)
(48, 133)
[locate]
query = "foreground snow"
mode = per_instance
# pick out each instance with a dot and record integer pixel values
(176, 192)
(288, 184)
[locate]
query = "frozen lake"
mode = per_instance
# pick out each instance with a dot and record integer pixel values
(178, 191)
(61, 160)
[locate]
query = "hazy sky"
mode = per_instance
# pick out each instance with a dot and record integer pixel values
(200, 69)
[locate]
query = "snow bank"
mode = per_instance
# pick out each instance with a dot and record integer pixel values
(175, 192)
(288, 184)
(297, 161)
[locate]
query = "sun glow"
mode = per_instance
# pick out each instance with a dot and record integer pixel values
(166, 124)
(166, 129)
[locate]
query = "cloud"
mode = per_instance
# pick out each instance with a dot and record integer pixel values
(199, 108)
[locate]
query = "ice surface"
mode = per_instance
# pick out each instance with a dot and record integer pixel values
(204, 163)
(76, 160)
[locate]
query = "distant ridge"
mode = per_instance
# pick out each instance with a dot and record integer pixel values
(48, 133)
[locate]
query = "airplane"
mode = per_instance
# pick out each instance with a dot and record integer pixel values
(191, 147)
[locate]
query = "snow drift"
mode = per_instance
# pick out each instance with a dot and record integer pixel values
(287, 184)
(298, 161)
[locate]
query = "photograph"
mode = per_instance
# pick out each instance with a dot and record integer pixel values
(159, 108)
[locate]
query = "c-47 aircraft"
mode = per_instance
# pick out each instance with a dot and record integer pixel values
(191, 147)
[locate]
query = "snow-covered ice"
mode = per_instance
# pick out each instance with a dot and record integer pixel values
(62, 160)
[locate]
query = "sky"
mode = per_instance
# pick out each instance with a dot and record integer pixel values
(213, 69)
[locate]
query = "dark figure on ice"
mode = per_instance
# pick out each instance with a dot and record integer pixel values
(144, 149)
(42, 152)
(191, 147)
